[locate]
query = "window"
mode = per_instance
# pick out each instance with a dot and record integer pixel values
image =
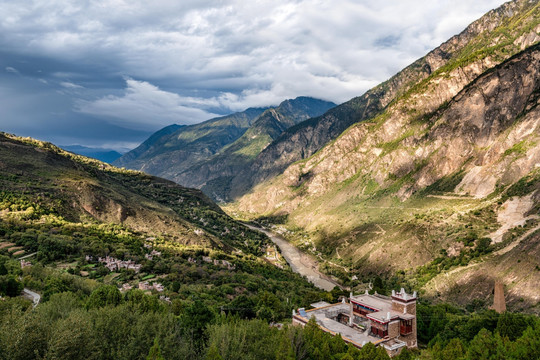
(381, 331)
(406, 327)
(361, 310)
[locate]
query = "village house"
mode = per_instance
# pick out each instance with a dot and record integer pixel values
(25, 263)
(152, 254)
(216, 262)
(114, 264)
(385, 321)
(165, 298)
(155, 286)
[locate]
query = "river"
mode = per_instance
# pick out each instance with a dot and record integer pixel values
(299, 261)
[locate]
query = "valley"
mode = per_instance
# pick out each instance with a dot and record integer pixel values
(402, 223)
(299, 262)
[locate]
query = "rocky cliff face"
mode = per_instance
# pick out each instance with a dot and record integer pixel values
(480, 132)
(483, 44)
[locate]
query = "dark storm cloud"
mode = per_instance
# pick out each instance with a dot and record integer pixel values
(117, 70)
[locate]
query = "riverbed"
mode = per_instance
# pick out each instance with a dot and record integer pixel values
(299, 261)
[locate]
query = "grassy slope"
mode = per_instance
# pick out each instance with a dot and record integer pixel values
(84, 190)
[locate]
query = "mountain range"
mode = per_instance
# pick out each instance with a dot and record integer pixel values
(444, 151)
(207, 155)
(428, 182)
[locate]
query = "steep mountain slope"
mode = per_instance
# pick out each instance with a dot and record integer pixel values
(423, 182)
(83, 190)
(213, 175)
(487, 41)
(147, 145)
(174, 148)
(216, 149)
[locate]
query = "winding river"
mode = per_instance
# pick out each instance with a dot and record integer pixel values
(300, 262)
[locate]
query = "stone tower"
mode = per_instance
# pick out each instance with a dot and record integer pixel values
(499, 304)
(405, 304)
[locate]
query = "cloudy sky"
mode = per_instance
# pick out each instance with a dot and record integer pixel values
(109, 73)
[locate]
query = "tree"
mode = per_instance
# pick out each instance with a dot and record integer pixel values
(213, 353)
(103, 296)
(482, 347)
(9, 286)
(371, 352)
(196, 317)
(528, 346)
(285, 350)
(511, 325)
(454, 350)
(406, 354)
(72, 338)
(379, 285)
(155, 352)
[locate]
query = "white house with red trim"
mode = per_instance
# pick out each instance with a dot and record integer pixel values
(389, 322)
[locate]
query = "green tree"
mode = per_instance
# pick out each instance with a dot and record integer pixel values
(104, 296)
(72, 338)
(454, 350)
(285, 350)
(213, 353)
(512, 325)
(371, 352)
(482, 347)
(195, 318)
(155, 352)
(9, 286)
(528, 346)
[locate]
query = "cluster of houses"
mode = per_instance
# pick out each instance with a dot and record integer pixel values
(216, 262)
(114, 264)
(25, 263)
(385, 321)
(144, 285)
(209, 260)
(152, 254)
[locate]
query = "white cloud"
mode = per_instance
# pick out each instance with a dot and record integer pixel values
(12, 70)
(144, 105)
(70, 85)
(225, 55)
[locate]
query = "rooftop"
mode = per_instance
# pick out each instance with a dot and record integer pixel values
(378, 302)
(319, 304)
(323, 317)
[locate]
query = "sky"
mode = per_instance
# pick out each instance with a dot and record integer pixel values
(110, 73)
